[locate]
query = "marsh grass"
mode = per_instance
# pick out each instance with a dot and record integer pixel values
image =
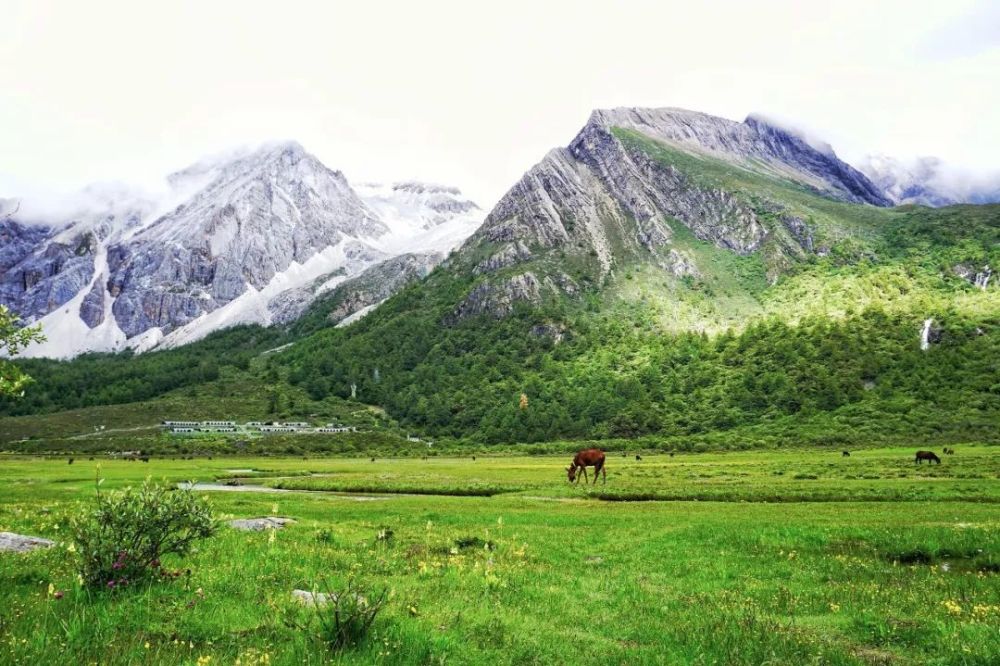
(514, 579)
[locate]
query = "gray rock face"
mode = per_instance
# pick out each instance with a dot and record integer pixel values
(92, 306)
(19, 543)
(598, 195)
(648, 191)
(47, 277)
(256, 217)
(603, 202)
(447, 201)
(368, 287)
(18, 241)
(253, 238)
(786, 150)
(498, 298)
(508, 255)
(378, 283)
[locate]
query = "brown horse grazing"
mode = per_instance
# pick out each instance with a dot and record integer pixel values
(929, 456)
(584, 459)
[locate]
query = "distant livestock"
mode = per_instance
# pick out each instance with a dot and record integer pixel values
(846, 454)
(929, 456)
(638, 457)
(584, 459)
(949, 452)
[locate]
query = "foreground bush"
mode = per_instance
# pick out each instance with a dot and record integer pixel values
(339, 619)
(124, 537)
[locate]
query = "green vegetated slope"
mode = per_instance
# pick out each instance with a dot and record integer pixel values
(772, 347)
(826, 350)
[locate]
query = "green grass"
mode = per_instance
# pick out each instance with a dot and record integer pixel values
(901, 569)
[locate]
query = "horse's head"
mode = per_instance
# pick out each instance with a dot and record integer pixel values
(571, 471)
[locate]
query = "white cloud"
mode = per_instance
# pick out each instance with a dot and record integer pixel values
(968, 34)
(464, 93)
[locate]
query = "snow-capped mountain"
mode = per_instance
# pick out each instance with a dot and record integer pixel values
(928, 181)
(229, 243)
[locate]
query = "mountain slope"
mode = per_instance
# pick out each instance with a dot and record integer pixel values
(615, 196)
(250, 238)
(725, 286)
(591, 284)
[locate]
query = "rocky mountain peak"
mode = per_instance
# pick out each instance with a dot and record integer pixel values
(788, 152)
(235, 235)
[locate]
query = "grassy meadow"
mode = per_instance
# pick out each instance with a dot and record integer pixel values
(783, 557)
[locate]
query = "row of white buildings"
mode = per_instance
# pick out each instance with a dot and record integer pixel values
(190, 427)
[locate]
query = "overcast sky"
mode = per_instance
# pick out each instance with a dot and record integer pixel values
(473, 95)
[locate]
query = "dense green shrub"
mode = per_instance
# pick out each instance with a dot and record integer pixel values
(124, 536)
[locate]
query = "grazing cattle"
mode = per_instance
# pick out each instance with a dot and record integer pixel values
(638, 457)
(584, 459)
(846, 454)
(70, 461)
(671, 454)
(929, 456)
(949, 452)
(373, 460)
(473, 458)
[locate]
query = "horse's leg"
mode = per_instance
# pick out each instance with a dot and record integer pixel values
(585, 477)
(604, 476)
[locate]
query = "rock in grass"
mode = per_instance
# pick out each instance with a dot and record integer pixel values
(20, 543)
(260, 524)
(307, 598)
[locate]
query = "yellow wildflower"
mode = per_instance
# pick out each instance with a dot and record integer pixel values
(953, 608)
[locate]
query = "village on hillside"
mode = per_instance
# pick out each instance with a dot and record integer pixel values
(232, 427)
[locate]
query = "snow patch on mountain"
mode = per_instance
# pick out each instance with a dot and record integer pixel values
(421, 217)
(253, 306)
(252, 236)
